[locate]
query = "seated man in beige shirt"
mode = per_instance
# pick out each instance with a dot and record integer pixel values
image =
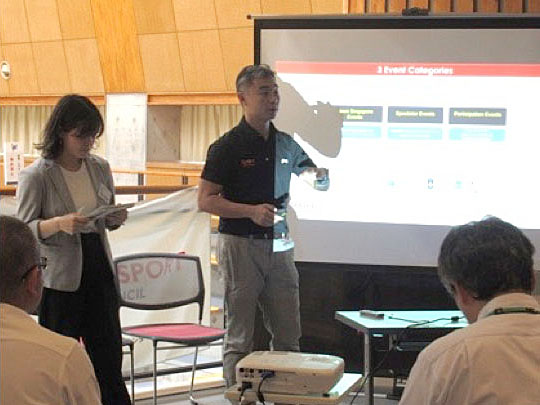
(37, 366)
(487, 266)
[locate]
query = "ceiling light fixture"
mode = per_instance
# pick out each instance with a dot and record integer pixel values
(5, 70)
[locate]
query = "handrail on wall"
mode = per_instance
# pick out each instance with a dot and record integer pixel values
(123, 190)
(151, 172)
(120, 190)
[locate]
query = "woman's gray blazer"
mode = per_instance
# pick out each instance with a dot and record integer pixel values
(42, 193)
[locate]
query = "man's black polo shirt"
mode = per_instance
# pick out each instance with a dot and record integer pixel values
(246, 165)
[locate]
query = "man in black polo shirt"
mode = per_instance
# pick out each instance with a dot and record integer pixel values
(246, 182)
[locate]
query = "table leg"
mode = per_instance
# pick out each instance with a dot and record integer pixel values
(368, 387)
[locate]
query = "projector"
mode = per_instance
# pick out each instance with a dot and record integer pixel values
(289, 372)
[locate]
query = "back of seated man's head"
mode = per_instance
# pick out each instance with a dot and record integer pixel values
(487, 258)
(20, 279)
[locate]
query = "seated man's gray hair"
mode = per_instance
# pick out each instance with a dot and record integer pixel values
(487, 257)
(18, 253)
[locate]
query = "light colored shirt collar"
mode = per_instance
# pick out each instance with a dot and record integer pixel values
(508, 300)
(12, 310)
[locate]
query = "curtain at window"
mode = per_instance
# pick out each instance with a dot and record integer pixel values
(202, 125)
(25, 124)
(199, 127)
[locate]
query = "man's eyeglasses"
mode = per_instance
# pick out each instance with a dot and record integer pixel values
(42, 265)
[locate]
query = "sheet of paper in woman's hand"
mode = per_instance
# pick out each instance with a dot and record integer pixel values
(104, 210)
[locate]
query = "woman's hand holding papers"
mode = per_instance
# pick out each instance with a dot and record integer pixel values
(71, 223)
(116, 219)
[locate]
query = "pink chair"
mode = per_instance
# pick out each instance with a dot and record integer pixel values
(155, 281)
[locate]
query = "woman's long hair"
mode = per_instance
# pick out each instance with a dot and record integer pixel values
(71, 112)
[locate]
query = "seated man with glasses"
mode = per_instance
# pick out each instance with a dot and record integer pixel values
(37, 366)
(487, 266)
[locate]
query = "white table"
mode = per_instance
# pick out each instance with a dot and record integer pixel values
(393, 323)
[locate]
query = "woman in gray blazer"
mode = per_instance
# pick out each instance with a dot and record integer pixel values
(55, 195)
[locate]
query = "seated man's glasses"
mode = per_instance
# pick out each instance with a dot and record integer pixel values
(42, 265)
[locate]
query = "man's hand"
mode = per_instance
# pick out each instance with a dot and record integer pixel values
(72, 223)
(322, 179)
(116, 219)
(263, 214)
(321, 173)
(316, 177)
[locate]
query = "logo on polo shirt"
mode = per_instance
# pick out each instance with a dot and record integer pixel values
(245, 163)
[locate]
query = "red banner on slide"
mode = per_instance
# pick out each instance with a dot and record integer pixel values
(409, 69)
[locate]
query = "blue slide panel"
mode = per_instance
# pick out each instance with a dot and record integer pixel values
(408, 133)
(489, 134)
(360, 132)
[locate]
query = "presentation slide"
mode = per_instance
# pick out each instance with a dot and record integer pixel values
(431, 144)
(421, 130)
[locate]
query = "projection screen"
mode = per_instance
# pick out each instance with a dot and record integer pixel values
(423, 122)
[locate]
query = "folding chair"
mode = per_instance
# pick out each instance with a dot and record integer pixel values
(155, 281)
(130, 344)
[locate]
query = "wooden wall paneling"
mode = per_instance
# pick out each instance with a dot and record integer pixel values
(23, 79)
(118, 46)
(463, 6)
(488, 6)
(188, 173)
(43, 20)
(237, 46)
(534, 6)
(194, 98)
(51, 67)
(328, 7)
(202, 60)
(286, 7)
(395, 6)
(13, 21)
(441, 6)
(233, 13)
(157, 180)
(376, 6)
(154, 16)
(161, 63)
(83, 66)
(191, 17)
(512, 6)
(419, 3)
(357, 6)
(47, 100)
(76, 20)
